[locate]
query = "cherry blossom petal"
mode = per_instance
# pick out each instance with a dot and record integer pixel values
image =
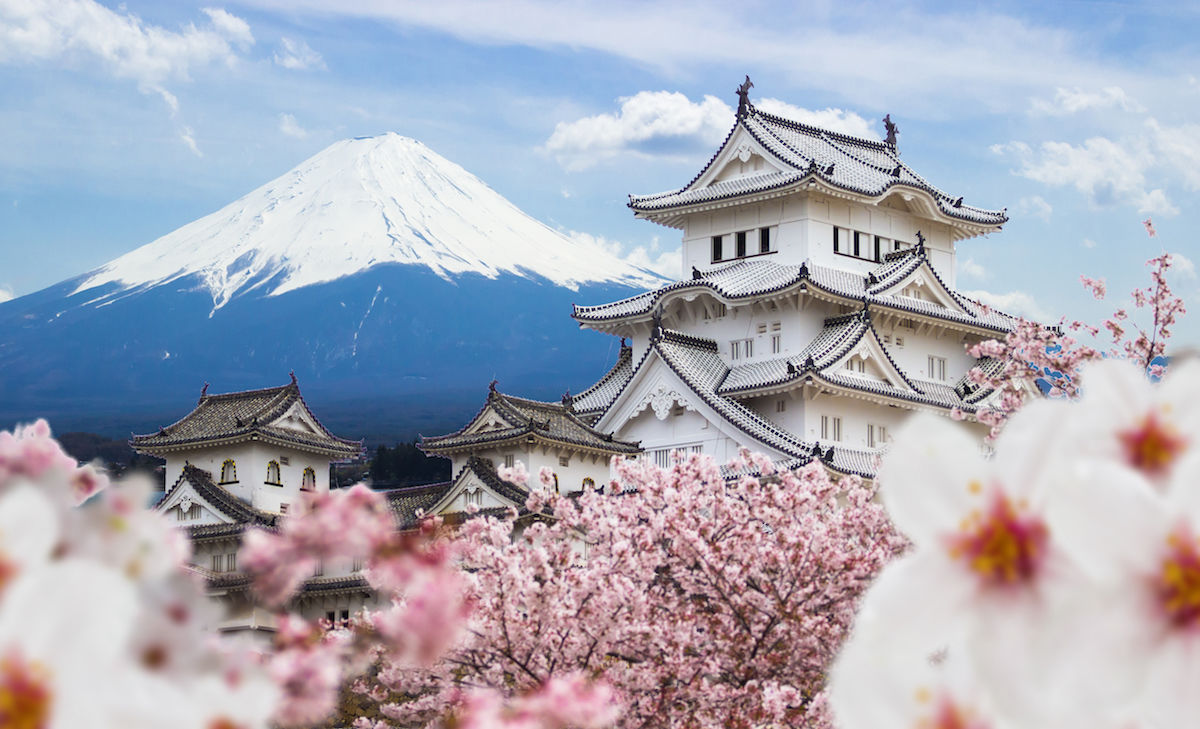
(933, 476)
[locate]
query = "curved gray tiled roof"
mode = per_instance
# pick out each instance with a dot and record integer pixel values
(849, 163)
(599, 396)
(699, 365)
(551, 421)
(839, 335)
(753, 278)
(245, 414)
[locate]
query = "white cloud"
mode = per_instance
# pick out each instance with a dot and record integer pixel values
(839, 120)
(84, 33)
(297, 55)
(290, 127)
(189, 138)
(1179, 149)
(981, 55)
(1014, 302)
(1089, 243)
(649, 257)
(1107, 172)
(1071, 101)
(1035, 206)
(1183, 266)
(668, 124)
(660, 123)
(6, 294)
(971, 269)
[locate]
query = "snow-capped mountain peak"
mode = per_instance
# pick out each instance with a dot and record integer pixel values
(356, 204)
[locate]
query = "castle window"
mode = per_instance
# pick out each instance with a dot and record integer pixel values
(764, 240)
(217, 562)
(762, 328)
(716, 248)
(776, 344)
(564, 461)
(740, 348)
(283, 508)
(780, 406)
(937, 368)
(880, 247)
(856, 365)
(357, 565)
(273, 473)
(229, 471)
(510, 461)
(857, 248)
(877, 435)
(194, 512)
(831, 428)
(308, 482)
(283, 461)
(231, 562)
(741, 244)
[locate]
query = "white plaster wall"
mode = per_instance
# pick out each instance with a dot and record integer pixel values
(251, 459)
(802, 228)
(682, 429)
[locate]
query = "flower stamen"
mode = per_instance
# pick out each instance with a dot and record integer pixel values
(1002, 545)
(1179, 580)
(25, 699)
(1153, 446)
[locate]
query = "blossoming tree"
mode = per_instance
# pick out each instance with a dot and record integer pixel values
(701, 603)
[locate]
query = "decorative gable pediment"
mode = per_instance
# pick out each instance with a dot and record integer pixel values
(184, 507)
(741, 156)
(471, 491)
(662, 399)
(488, 419)
(868, 359)
(921, 284)
(299, 419)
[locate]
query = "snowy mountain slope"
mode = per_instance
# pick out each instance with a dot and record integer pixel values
(357, 204)
(394, 283)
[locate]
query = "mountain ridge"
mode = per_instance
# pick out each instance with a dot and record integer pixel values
(394, 328)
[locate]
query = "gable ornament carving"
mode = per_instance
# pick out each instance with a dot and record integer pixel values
(661, 400)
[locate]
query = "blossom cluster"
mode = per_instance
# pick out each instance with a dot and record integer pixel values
(691, 600)
(1054, 585)
(100, 623)
(1034, 357)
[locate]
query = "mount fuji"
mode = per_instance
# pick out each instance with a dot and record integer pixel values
(393, 282)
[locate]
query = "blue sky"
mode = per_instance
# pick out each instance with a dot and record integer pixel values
(122, 122)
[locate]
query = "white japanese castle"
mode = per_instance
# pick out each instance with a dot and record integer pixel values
(240, 460)
(820, 312)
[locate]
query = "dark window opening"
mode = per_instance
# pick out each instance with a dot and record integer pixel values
(764, 240)
(741, 244)
(716, 248)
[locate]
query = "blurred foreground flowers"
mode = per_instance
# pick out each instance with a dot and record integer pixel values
(1055, 585)
(100, 626)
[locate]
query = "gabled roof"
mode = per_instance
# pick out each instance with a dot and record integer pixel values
(817, 362)
(517, 418)
(599, 396)
(251, 414)
(751, 279)
(697, 363)
(406, 502)
(240, 512)
(801, 153)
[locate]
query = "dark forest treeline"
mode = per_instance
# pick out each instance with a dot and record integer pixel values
(405, 465)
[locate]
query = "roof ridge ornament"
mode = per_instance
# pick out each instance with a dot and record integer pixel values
(204, 391)
(891, 129)
(743, 93)
(292, 374)
(920, 241)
